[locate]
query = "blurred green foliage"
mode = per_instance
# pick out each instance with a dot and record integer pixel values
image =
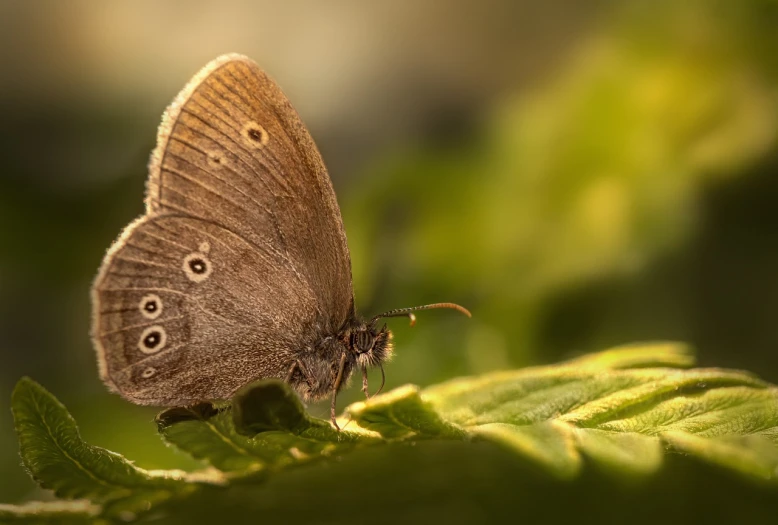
(594, 176)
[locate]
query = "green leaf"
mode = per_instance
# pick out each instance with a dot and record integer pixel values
(605, 406)
(272, 405)
(625, 452)
(207, 433)
(402, 413)
(550, 444)
(620, 408)
(752, 455)
(266, 426)
(643, 355)
(58, 459)
(619, 411)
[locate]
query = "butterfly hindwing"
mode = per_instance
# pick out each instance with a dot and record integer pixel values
(185, 310)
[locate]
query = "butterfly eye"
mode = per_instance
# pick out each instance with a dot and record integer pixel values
(363, 341)
(150, 306)
(152, 339)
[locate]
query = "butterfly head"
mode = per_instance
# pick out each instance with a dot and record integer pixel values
(370, 345)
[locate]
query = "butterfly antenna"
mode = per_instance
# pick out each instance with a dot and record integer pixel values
(408, 312)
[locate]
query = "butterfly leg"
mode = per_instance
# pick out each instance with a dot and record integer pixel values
(333, 419)
(335, 389)
(364, 382)
(297, 366)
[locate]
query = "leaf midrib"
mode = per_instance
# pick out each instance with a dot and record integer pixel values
(64, 452)
(230, 442)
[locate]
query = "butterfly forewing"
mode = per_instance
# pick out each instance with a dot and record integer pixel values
(233, 150)
(241, 259)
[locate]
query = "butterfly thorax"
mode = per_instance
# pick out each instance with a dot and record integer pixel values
(314, 372)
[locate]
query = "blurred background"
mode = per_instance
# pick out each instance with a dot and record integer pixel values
(578, 174)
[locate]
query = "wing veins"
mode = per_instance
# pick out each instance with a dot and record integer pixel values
(280, 180)
(141, 325)
(212, 191)
(143, 289)
(127, 242)
(118, 311)
(224, 181)
(229, 138)
(258, 175)
(131, 275)
(151, 356)
(292, 140)
(149, 263)
(257, 247)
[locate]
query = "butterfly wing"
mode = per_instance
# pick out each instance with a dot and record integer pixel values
(232, 149)
(241, 259)
(182, 316)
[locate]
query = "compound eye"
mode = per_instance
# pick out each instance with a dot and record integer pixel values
(363, 341)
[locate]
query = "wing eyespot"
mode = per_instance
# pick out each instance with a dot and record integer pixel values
(152, 340)
(216, 159)
(255, 134)
(150, 306)
(197, 267)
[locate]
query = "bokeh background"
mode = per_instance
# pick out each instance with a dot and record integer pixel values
(578, 174)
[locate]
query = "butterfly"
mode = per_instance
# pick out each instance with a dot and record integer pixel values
(239, 269)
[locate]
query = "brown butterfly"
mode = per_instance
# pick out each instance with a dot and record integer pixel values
(239, 270)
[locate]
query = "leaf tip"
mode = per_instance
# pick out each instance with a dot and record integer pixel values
(25, 394)
(24, 383)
